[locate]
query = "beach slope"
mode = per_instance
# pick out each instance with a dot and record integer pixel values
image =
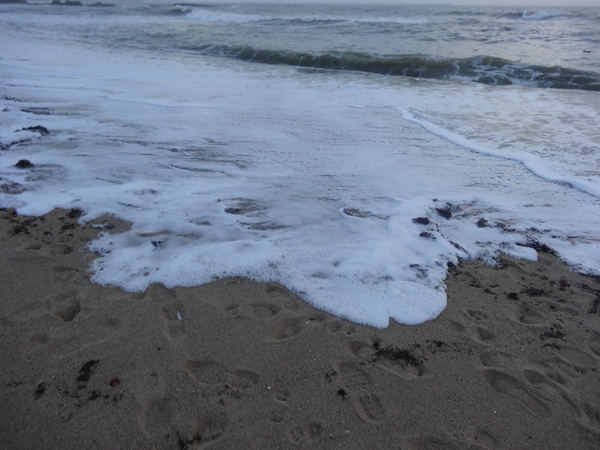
(512, 362)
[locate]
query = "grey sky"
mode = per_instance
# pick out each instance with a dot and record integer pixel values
(518, 3)
(523, 3)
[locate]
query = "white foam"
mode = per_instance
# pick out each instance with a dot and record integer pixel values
(541, 15)
(234, 169)
(538, 165)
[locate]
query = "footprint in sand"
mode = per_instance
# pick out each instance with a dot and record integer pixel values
(482, 334)
(111, 322)
(337, 326)
(572, 361)
(433, 443)
(170, 424)
(281, 396)
(215, 373)
(59, 249)
(172, 315)
(276, 417)
(64, 273)
(276, 300)
(334, 326)
(457, 327)
(400, 362)
(64, 306)
(484, 437)
(307, 434)
(288, 327)
(557, 378)
(591, 417)
(281, 295)
(359, 387)
(260, 310)
(594, 343)
(172, 311)
(476, 314)
(549, 387)
(555, 361)
(529, 317)
(159, 293)
(36, 341)
(577, 356)
(206, 372)
(208, 429)
(498, 359)
(512, 387)
(159, 421)
(242, 379)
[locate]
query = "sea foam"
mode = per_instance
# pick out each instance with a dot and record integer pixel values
(324, 183)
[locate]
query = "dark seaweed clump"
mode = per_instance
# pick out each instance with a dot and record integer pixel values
(393, 353)
(24, 164)
(539, 247)
(85, 372)
(421, 220)
(40, 129)
(446, 212)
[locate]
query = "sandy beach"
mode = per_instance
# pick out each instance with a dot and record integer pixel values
(512, 362)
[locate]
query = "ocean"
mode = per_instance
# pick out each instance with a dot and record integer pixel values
(351, 153)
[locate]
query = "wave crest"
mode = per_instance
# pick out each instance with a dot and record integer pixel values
(481, 69)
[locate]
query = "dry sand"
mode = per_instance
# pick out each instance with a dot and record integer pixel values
(513, 362)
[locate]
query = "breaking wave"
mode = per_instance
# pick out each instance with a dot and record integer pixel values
(481, 69)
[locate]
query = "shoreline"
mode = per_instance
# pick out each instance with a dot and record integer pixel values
(512, 362)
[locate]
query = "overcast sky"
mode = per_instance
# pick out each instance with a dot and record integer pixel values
(521, 3)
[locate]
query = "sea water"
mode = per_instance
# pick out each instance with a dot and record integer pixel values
(350, 153)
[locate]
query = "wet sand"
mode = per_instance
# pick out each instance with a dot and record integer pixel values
(513, 361)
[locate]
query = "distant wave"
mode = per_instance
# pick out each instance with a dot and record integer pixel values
(209, 14)
(541, 15)
(516, 14)
(481, 69)
(214, 13)
(392, 19)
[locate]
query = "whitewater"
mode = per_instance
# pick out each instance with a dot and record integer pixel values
(355, 189)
